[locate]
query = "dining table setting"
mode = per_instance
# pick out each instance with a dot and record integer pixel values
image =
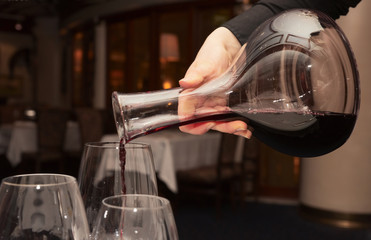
(21, 137)
(104, 193)
(174, 150)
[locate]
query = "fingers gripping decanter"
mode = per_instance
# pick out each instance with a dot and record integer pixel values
(295, 82)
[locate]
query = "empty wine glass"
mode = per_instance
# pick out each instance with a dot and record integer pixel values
(101, 175)
(135, 216)
(42, 206)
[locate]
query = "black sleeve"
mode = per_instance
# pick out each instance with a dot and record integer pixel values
(244, 24)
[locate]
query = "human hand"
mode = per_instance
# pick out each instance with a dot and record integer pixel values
(215, 56)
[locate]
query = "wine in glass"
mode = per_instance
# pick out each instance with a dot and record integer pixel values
(135, 216)
(42, 206)
(109, 168)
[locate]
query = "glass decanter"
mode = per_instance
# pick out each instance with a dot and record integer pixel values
(295, 82)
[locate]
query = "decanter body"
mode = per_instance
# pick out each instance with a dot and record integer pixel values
(295, 82)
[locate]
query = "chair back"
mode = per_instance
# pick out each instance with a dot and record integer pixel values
(51, 125)
(250, 168)
(227, 151)
(91, 124)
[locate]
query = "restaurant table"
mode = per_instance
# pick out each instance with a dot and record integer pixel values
(23, 138)
(174, 150)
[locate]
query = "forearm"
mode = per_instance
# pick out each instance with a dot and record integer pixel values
(244, 24)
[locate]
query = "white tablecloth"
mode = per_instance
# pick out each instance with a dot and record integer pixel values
(24, 139)
(174, 150)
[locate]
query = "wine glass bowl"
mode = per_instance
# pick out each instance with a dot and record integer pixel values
(135, 216)
(42, 206)
(295, 83)
(102, 174)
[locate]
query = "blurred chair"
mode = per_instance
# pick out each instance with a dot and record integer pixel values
(217, 180)
(91, 124)
(91, 127)
(51, 131)
(250, 175)
(109, 122)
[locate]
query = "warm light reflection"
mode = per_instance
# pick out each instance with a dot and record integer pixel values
(18, 27)
(139, 84)
(296, 168)
(30, 113)
(116, 78)
(169, 47)
(167, 84)
(77, 55)
(79, 36)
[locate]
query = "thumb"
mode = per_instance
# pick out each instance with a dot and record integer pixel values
(197, 74)
(191, 80)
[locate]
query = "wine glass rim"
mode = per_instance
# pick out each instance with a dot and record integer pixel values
(163, 201)
(116, 144)
(67, 180)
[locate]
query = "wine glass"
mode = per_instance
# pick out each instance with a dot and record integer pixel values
(101, 174)
(42, 206)
(135, 216)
